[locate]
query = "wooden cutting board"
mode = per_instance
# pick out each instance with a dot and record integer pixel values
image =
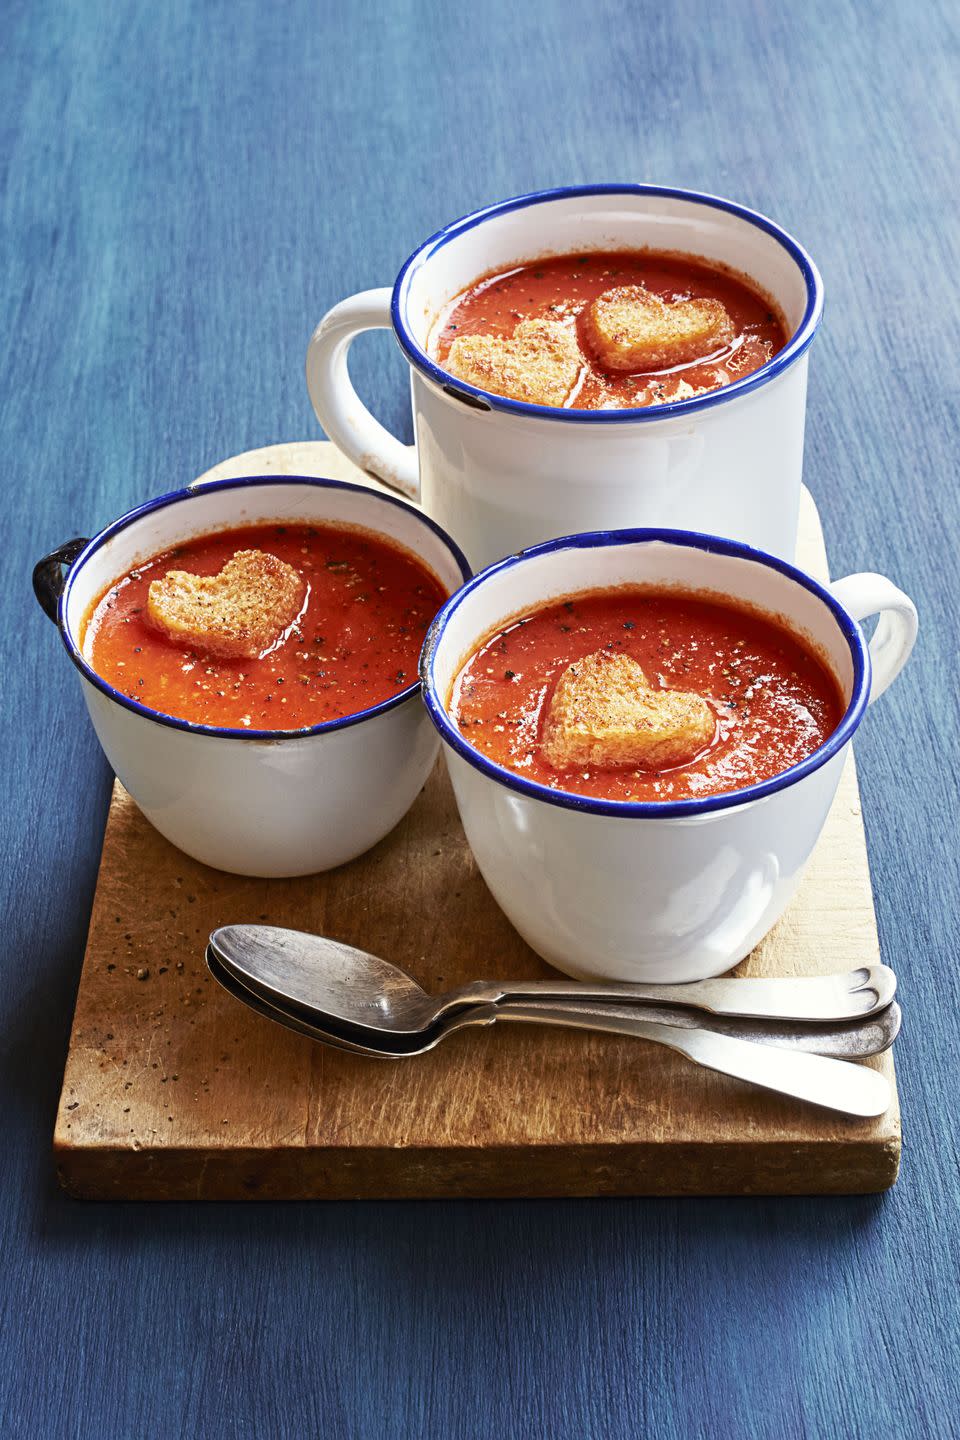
(174, 1090)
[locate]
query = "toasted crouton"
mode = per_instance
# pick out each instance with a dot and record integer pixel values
(631, 329)
(540, 363)
(239, 613)
(604, 715)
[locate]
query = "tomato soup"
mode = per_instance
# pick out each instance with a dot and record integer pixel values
(772, 699)
(355, 641)
(562, 288)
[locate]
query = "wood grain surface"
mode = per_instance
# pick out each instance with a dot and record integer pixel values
(174, 1090)
(185, 188)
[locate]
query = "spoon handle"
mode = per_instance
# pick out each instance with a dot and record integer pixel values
(834, 1084)
(848, 1040)
(849, 996)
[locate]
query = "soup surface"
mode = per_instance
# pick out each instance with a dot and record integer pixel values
(562, 288)
(773, 702)
(354, 642)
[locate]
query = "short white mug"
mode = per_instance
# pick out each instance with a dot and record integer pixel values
(499, 474)
(675, 890)
(254, 802)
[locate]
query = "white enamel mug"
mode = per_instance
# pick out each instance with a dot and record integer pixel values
(499, 474)
(254, 802)
(648, 891)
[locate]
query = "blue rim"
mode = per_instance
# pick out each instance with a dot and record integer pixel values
(791, 352)
(187, 494)
(648, 809)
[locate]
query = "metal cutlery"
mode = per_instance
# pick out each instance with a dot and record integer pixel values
(848, 1040)
(359, 990)
(761, 1059)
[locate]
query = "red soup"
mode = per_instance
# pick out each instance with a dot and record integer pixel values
(768, 701)
(563, 288)
(359, 614)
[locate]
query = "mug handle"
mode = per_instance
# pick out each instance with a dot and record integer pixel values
(339, 408)
(49, 577)
(896, 631)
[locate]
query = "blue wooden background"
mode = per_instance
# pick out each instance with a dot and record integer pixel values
(185, 189)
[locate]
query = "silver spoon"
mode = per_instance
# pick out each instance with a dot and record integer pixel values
(848, 1040)
(831, 1083)
(360, 990)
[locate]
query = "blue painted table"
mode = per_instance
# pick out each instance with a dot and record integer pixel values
(185, 189)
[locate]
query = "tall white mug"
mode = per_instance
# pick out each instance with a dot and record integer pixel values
(500, 474)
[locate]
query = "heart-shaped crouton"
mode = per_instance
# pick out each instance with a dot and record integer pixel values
(540, 363)
(604, 715)
(630, 329)
(239, 613)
